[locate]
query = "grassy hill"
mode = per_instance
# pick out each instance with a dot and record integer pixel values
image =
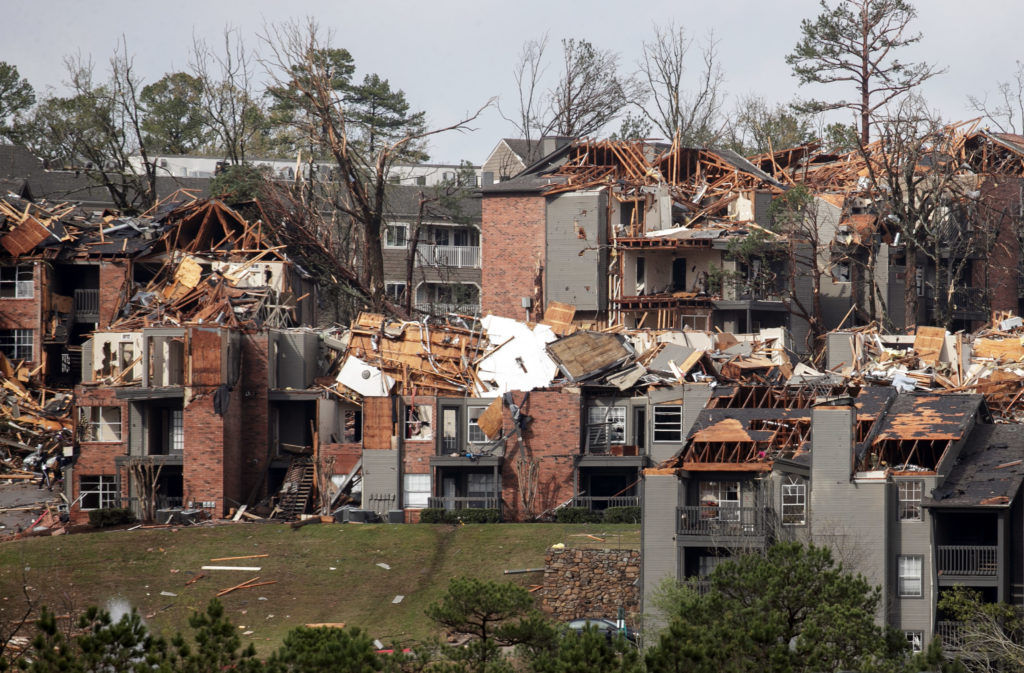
(323, 573)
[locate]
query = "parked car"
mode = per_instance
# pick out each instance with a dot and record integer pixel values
(606, 626)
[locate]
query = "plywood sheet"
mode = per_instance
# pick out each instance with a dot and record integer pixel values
(490, 421)
(377, 423)
(1007, 350)
(928, 344)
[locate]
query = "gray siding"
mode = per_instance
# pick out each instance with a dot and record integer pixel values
(660, 552)
(296, 359)
(913, 538)
(380, 480)
(576, 252)
(136, 431)
(838, 349)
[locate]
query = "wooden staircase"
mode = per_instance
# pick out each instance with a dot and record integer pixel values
(297, 489)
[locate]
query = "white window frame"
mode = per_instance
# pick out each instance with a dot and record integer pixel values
(473, 432)
(911, 492)
(17, 344)
(606, 425)
(720, 500)
(910, 576)
(391, 235)
(417, 491)
(794, 501)
(17, 282)
(101, 487)
(100, 424)
(669, 427)
(419, 422)
(177, 431)
(916, 640)
(394, 291)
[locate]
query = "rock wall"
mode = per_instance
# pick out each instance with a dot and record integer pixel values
(591, 583)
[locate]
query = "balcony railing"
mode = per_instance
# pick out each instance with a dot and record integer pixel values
(720, 520)
(87, 305)
(976, 560)
(465, 502)
(467, 256)
(438, 308)
(951, 634)
(600, 502)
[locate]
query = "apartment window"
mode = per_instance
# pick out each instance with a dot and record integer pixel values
(99, 491)
(177, 430)
(421, 180)
(794, 501)
(16, 282)
(417, 490)
(394, 291)
(476, 435)
(450, 429)
(441, 236)
(605, 426)
(909, 574)
(668, 423)
(396, 235)
(915, 639)
(16, 344)
(100, 424)
(720, 500)
(910, 499)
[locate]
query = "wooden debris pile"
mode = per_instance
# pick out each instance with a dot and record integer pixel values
(35, 423)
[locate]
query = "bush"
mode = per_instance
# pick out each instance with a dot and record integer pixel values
(438, 515)
(112, 516)
(622, 515)
(577, 515)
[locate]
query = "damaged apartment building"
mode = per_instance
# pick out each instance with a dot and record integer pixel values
(666, 237)
(163, 324)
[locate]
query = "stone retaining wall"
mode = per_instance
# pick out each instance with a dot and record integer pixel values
(590, 583)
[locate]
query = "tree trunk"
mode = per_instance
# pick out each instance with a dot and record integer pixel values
(910, 300)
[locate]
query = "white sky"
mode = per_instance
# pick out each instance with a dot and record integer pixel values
(451, 56)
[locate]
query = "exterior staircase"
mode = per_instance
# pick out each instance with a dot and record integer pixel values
(297, 489)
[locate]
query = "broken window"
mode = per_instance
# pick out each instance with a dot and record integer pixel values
(910, 492)
(353, 426)
(794, 501)
(417, 490)
(841, 272)
(908, 569)
(16, 344)
(915, 639)
(395, 291)
(720, 500)
(419, 422)
(668, 423)
(605, 426)
(99, 491)
(99, 424)
(476, 435)
(16, 282)
(396, 235)
(450, 429)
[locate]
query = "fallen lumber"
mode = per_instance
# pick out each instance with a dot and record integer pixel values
(222, 592)
(239, 558)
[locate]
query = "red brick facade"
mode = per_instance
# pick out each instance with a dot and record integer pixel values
(112, 279)
(513, 254)
(545, 464)
(98, 458)
(28, 313)
(999, 215)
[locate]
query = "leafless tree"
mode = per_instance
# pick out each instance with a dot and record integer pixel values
(589, 93)
(856, 42)
(693, 114)
(1007, 111)
(297, 68)
(230, 102)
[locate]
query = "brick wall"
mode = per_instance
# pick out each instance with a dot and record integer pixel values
(112, 280)
(592, 583)
(552, 440)
(512, 253)
(999, 270)
(203, 465)
(28, 313)
(345, 456)
(97, 458)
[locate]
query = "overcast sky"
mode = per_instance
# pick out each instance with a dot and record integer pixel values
(451, 56)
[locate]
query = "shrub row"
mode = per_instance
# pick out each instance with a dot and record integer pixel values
(112, 516)
(610, 515)
(440, 515)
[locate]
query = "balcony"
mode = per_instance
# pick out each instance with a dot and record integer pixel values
(720, 521)
(87, 305)
(468, 502)
(460, 256)
(599, 502)
(967, 560)
(439, 308)
(950, 632)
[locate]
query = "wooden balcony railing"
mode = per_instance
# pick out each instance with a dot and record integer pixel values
(980, 560)
(87, 305)
(598, 502)
(465, 256)
(950, 632)
(465, 502)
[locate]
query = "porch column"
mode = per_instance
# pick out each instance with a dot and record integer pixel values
(1003, 554)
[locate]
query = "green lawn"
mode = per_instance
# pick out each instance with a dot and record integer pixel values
(323, 573)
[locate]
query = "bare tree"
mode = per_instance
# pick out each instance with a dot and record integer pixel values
(855, 42)
(1007, 112)
(298, 69)
(232, 108)
(693, 115)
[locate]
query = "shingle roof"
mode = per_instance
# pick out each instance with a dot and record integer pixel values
(988, 472)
